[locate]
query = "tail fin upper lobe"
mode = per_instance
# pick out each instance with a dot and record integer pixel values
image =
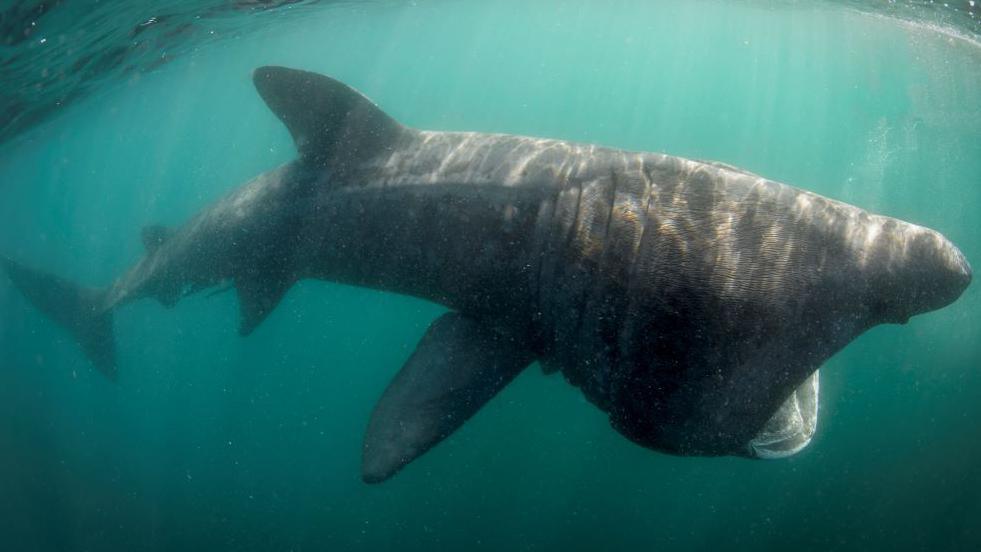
(78, 309)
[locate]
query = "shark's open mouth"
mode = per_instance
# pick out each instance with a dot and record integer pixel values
(792, 426)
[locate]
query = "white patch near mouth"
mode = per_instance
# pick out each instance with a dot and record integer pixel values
(792, 426)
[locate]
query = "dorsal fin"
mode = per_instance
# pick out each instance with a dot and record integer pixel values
(154, 236)
(330, 122)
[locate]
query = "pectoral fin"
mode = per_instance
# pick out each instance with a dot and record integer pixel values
(458, 366)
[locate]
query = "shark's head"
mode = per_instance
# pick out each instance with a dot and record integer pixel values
(727, 379)
(910, 270)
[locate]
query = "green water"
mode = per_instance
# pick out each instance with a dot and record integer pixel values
(211, 441)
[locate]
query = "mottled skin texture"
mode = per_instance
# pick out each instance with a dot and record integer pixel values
(686, 299)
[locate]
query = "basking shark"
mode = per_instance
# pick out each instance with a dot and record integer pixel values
(691, 301)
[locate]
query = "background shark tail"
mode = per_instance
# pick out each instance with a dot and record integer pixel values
(78, 309)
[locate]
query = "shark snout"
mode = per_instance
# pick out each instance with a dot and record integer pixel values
(915, 270)
(954, 273)
(940, 272)
(960, 268)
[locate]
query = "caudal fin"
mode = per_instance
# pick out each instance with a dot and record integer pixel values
(78, 309)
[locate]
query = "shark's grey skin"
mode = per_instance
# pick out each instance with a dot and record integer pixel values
(692, 301)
